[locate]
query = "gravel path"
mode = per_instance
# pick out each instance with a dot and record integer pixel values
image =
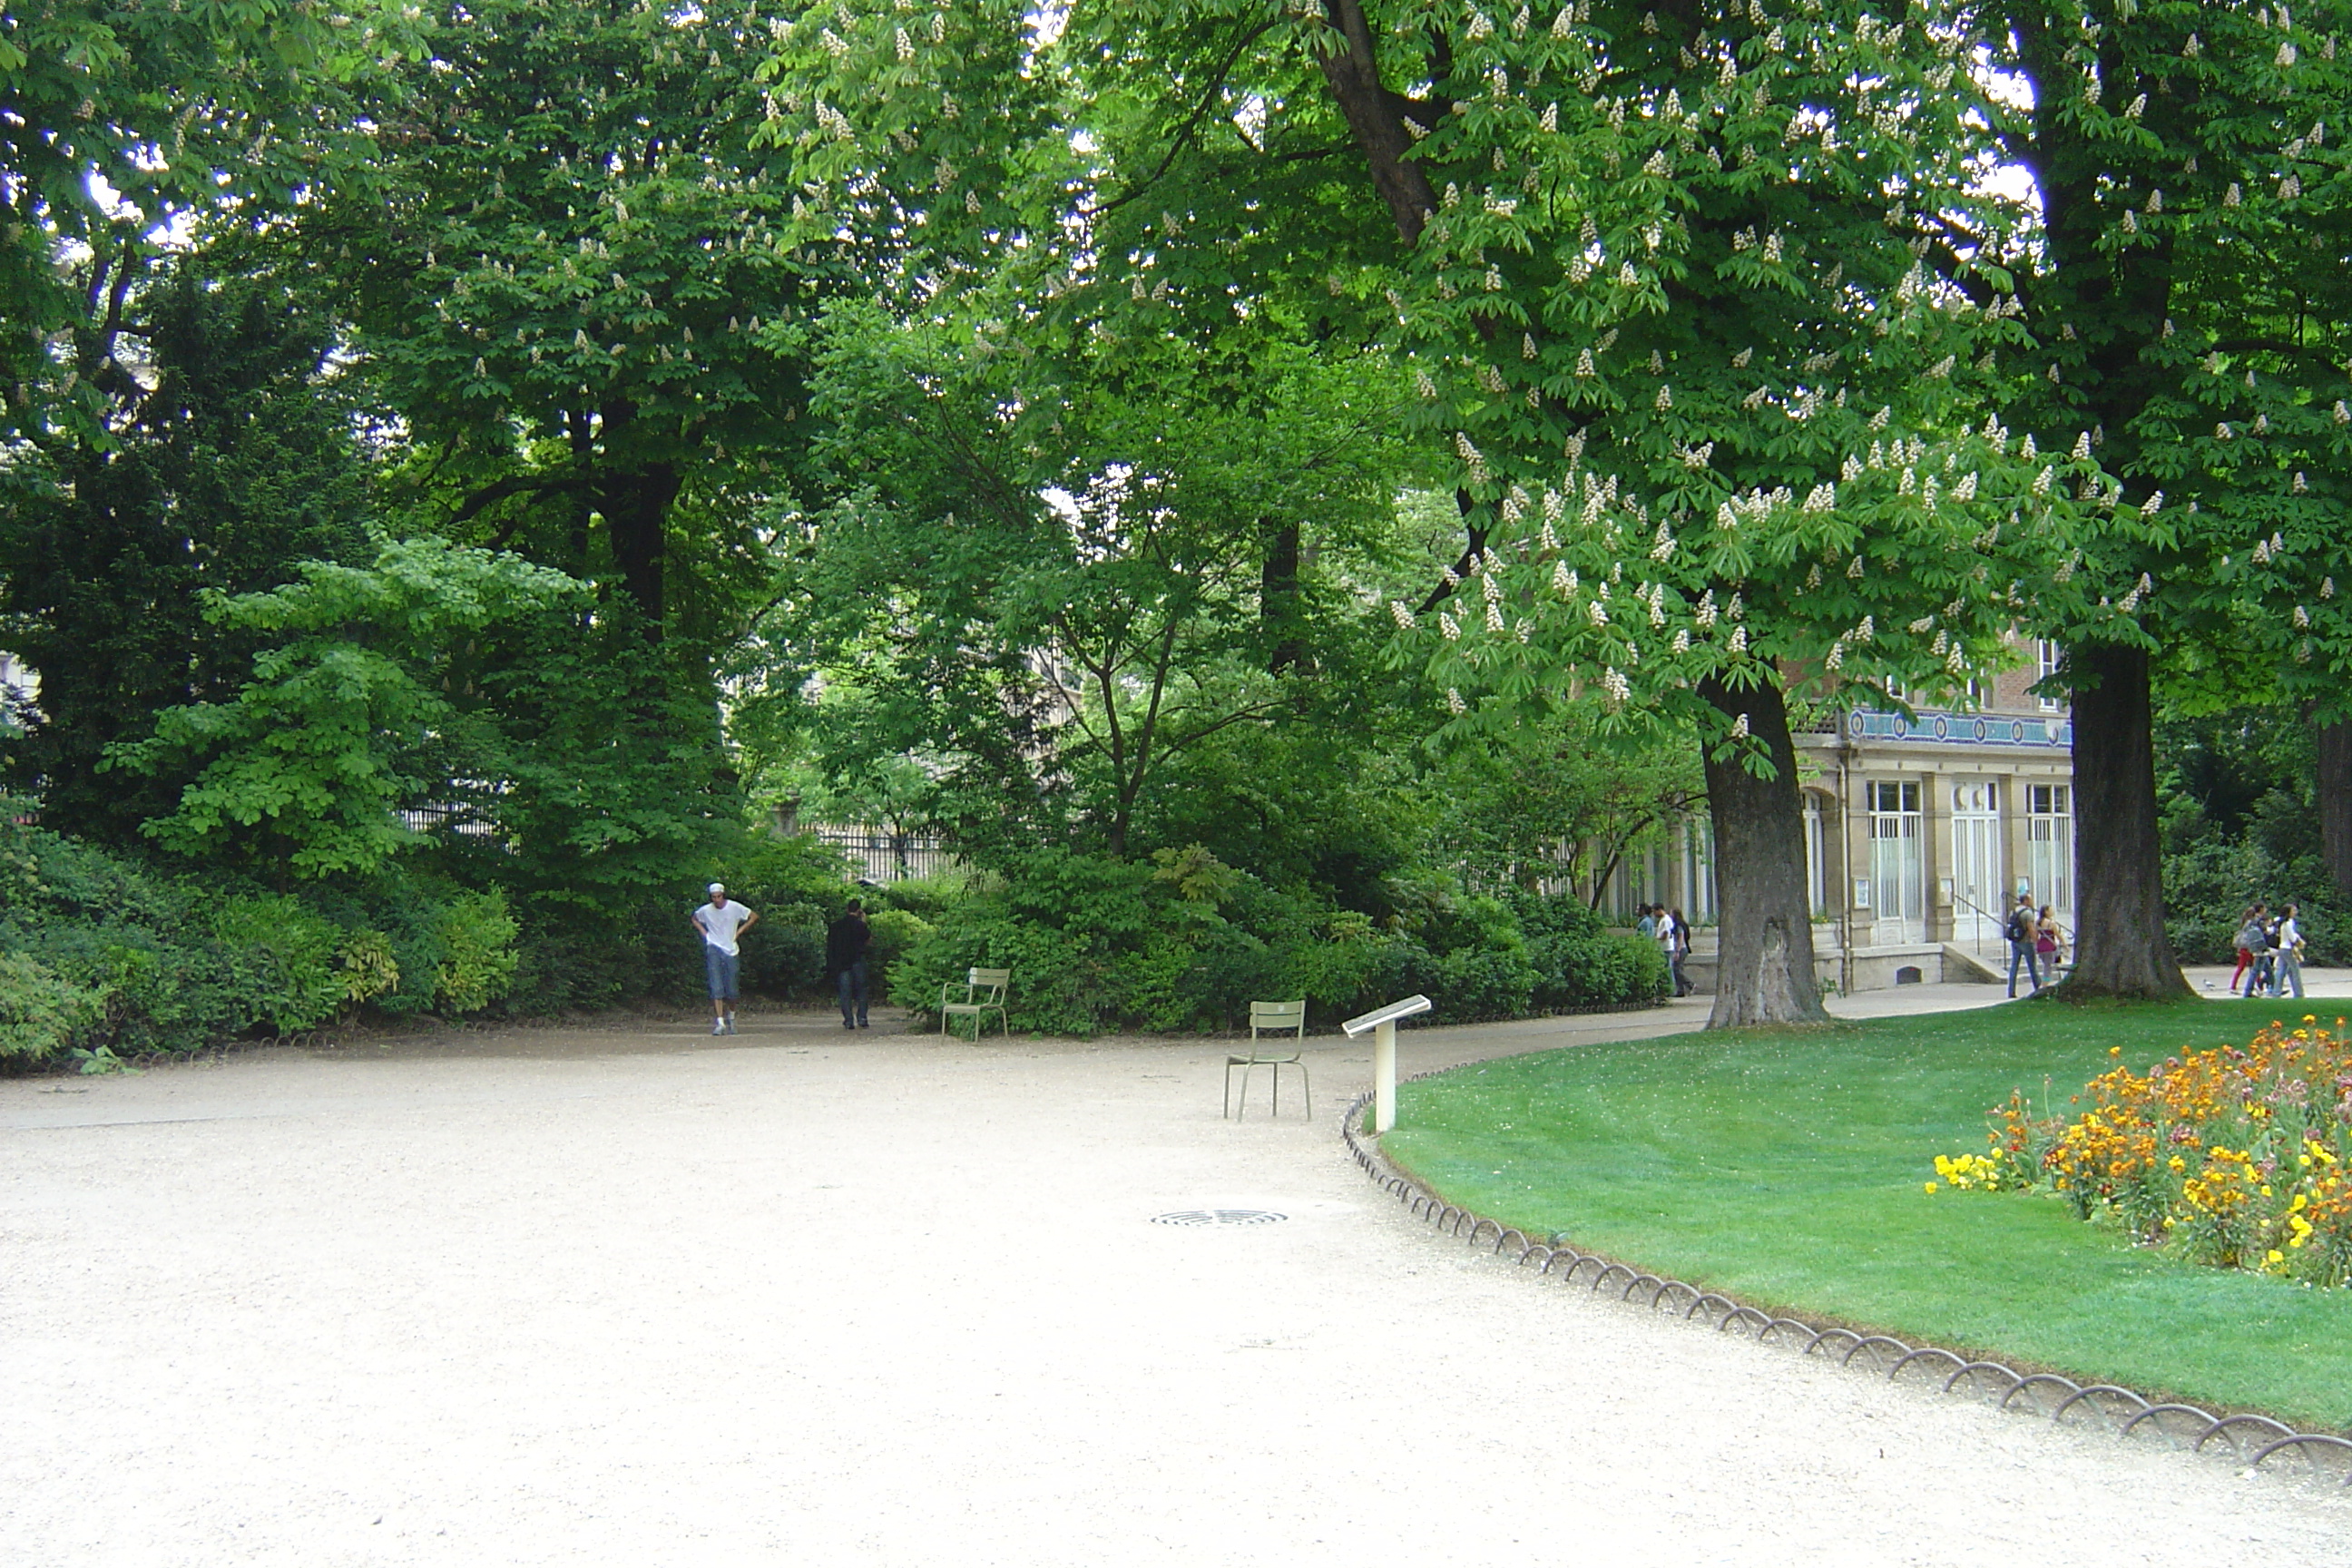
(639, 1297)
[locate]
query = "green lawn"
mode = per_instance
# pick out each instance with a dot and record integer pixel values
(1786, 1168)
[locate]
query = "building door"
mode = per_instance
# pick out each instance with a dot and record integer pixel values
(2050, 848)
(1975, 862)
(1896, 864)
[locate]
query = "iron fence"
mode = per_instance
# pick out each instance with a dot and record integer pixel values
(879, 855)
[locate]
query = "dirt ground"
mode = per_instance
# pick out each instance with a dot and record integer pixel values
(630, 1295)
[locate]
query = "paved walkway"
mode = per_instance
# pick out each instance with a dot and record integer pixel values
(625, 1297)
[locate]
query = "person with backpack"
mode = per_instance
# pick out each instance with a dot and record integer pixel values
(2248, 942)
(1679, 952)
(2286, 954)
(2021, 934)
(2265, 964)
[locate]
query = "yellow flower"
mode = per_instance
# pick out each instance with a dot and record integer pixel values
(2266, 1189)
(1931, 1187)
(2275, 1257)
(2179, 1163)
(2115, 1050)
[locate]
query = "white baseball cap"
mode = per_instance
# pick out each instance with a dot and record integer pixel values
(718, 886)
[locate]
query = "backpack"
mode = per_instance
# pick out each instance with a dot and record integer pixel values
(2018, 930)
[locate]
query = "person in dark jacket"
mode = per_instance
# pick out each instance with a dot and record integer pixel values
(846, 941)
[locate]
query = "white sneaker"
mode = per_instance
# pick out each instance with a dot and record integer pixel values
(730, 1026)
(717, 1027)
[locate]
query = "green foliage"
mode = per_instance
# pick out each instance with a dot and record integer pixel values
(41, 1012)
(2241, 826)
(584, 293)
(285, 956)
(477, 965)
(1198, 877)
(158, 963)
(341, 723)
(124, 121)
(1559, 798)
(236, 462)
(1097, 944)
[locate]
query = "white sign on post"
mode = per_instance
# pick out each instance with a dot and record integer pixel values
(1382, 1022)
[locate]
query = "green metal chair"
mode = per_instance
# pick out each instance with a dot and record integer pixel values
(983, 993)
(1271, 1018)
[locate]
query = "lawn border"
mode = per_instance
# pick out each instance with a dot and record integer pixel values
(2247, 1436)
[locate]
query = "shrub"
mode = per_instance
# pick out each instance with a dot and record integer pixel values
(479, 959)
(284, 957)
(41, 1012)
(1184, 942)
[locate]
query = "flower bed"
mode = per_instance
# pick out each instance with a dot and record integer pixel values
(2234, 1158)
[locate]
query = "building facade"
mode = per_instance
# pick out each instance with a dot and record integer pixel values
(1921, 832)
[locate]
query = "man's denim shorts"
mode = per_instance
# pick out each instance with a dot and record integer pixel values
(720, 967)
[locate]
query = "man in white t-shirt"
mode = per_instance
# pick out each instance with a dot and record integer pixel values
(721, 922)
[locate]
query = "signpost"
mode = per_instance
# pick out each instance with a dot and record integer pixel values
(1382, 1022)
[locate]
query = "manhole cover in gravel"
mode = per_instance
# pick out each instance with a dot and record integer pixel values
(1219, 1216)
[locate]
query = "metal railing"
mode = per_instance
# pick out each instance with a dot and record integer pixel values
(879, 855)
(2000, 940)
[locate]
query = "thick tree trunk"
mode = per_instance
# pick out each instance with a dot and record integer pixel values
(636, 517)
(1764, 971)
(2120, 948)
(2334, 789)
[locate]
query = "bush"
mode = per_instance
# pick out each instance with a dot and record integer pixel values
(41, 1012)
(284, 956)
(478, 962)
(2208, 886)
(167, 964)
(1097, 944)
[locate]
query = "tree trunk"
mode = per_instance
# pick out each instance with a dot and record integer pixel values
(1373, 114)
(636, 517)
(1764, 968)
(2334, 789)
(1277, 599)
(2120, 948)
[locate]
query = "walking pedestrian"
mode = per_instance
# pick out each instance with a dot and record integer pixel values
(846, 941)
(1680, 951)
(2022, 949)
(1647, 926)
(1663, 933)
(2265, 964)
(2248, 942)
(2286, 956)
(2049, 942)
(723, 922)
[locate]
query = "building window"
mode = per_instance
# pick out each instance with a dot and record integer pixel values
(1977, 903)
(2050, 846)
(1895, 865)
(1817, 869)
(2046, 659)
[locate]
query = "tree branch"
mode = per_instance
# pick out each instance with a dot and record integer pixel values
(1191, 122)
(489, 496)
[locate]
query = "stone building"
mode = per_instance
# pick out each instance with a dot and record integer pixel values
(1920, 831)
